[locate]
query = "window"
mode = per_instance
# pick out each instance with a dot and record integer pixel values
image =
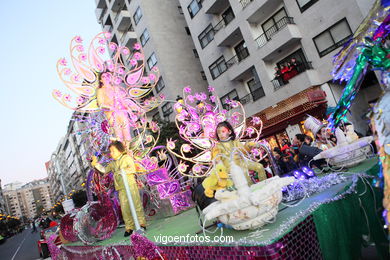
(228, 16)
(218, 67)
(137, 15)
(206, 36)
(167, 109)
(333, 37)
(241, 51)
(305, 4)
(187, 30)
(273, 24)
(152, 61)
(180, 9)
(160, 85)
(256, 89)
(203, 75)
(194, 7)
(232, 95)
(195, 53)
(144, 37)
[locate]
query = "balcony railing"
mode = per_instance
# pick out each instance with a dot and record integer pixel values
(254, 95)
(130, 29)
(103, 13)
(258, 92)
(246, 99)
(224, 22)
(244, 3)
(282, 81)
(237, 58)
(266, 36)
(117, 16)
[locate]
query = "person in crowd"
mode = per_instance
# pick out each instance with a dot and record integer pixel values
(308, 140)
(289, 163)
(285, 74)
(306, 153)
(34, 227)
(297, 65)
(226, 143)
(278, 76)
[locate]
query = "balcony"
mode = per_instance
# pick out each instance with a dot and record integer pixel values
(117, 5)
(284, 35)
(108, 28)
(267, 35)
(304, 76)
(215, 6)
(256, 11)
(122, 19)
(129, 38)
(100, 3)
(245, 3)
(239, 66)
(100, 13)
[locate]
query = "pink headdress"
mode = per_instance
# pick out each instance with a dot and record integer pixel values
(93, 65)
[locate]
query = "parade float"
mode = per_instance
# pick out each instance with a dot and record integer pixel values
(313, 218)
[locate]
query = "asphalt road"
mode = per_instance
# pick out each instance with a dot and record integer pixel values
(22, 246)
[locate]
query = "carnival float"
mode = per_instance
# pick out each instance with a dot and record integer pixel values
(216, 171)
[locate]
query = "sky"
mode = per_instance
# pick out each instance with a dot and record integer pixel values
(34, 36)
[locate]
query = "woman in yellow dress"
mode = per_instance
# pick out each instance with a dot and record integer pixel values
(123, 161)
(227, 142)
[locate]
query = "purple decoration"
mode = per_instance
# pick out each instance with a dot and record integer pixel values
(144, 248)
(308, 172)
(181, 201)
(167, 189)
(66, 227)
(158, 176)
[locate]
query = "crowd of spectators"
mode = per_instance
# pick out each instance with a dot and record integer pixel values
(298, 154)
(288, 70)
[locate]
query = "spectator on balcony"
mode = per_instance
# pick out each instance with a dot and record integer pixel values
(285, 73)
(297, 65)
(278, 77)
(292, 70)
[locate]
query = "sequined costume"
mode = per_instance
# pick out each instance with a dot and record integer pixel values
(126, 162)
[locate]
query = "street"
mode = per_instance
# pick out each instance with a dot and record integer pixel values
(22, 246)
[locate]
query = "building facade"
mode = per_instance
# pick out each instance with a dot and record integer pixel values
(29, 200)
(161, 29)
(2, 200)
(68, 166)
(275, 56)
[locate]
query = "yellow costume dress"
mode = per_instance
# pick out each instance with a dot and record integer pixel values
(226, 147)
(127, 163)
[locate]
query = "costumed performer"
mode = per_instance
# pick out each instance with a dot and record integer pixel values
(226, 142)
(119, 109)
(122, 161)
(321, 135)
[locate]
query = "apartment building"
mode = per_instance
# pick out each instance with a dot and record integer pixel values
(28, 200)
(160, 27)
(68, 166)
(2, 201)
(245, 46)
